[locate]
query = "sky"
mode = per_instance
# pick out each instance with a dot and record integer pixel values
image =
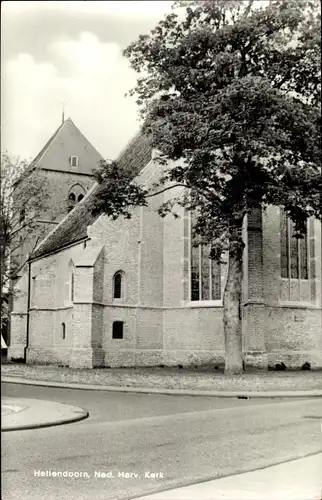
(56, 52)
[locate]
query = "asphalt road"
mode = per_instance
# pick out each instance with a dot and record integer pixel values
(151, 442)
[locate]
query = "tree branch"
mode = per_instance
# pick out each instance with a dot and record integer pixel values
(166, 189)
(248, 8)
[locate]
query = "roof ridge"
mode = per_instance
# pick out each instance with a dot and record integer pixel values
(34, 163)
(81, 133)
(44, 150)
(127, 145)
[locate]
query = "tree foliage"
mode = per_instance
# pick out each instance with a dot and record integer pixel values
(24, 198)
(232, 88)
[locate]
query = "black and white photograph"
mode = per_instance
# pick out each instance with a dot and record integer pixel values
(161, 250)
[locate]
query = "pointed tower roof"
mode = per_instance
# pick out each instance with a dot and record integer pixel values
(67, 142)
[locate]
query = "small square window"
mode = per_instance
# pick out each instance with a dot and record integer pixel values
(73, 161)
(117, 330)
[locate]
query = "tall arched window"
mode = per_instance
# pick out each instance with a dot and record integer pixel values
(80, 197)
(118, 286)
(294, 251)
(63, 331)
(72, 288)
(205, 273)
(20, 250)
(70, 284)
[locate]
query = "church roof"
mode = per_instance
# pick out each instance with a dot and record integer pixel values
(66, 142)
(73, 227)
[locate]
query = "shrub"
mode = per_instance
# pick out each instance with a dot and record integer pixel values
(280, 367)
(17, 360)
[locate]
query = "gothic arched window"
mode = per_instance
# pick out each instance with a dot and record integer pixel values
(205, 273)
(72, 288)
(75, 195)
(118, 285)
(294, 251)
(21, 250)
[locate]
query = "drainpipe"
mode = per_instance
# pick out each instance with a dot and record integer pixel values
(28, 310)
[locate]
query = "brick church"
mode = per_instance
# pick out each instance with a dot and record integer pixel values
(99, 292)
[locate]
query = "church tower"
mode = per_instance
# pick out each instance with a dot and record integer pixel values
(66, 162)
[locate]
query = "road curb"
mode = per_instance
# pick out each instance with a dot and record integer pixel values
(46, 424)
(174, 392)
(32, 413)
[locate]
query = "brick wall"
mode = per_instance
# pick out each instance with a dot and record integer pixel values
(173, 255)
(294, 336)
(18, 333)
(50, 306)
(60, 184)
(286, 324)
(149, 329)
(121, 253)
(150, 255)
(16, 350)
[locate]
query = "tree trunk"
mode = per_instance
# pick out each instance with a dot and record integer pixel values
(232, 302)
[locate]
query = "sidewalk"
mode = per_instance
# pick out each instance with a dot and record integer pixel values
(23, 413)
(170, 381)
(296, 480)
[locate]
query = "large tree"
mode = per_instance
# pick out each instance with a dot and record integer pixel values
(230, 89)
